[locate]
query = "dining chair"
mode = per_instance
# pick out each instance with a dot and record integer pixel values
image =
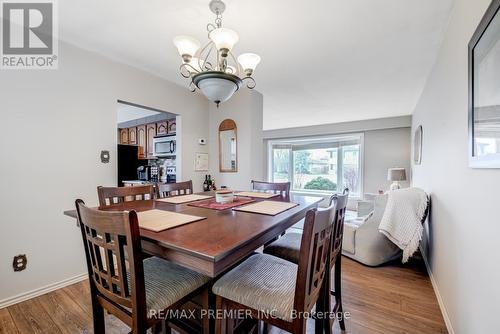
(174, 189)
(283, 188)
(335, 262)
(275, 290)
(116, 195)
(132, 288)
(288, 247)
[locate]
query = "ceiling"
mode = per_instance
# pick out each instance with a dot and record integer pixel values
(323, 61)
(128, 112)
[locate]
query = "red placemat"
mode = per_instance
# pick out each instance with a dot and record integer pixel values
(212, 204)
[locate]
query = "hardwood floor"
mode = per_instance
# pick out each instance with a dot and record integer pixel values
(391, 299)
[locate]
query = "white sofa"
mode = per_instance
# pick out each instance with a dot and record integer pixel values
(362, 240)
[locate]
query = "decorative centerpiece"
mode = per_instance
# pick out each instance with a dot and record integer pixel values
(224, 196)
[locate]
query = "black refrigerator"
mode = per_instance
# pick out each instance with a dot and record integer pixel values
(128, 163)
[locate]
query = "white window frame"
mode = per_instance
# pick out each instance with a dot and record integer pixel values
(319, 140)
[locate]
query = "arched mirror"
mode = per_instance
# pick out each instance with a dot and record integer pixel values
(228, 157)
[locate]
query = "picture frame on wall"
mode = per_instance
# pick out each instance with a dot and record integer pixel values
(417, 145)
(484, 91)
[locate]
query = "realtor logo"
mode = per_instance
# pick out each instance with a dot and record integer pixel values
(29, 39)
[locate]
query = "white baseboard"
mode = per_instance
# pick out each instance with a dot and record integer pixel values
(446, 318)
(41, 291)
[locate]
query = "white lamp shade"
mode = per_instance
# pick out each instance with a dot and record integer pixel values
(396, 174)
(224, 38)
(217, 89)
(249, 61)
(186, 45)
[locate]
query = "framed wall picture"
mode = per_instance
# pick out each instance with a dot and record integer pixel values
(417, 145)
(484, 91)
(201, 162)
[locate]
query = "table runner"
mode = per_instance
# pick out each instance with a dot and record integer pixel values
(212, 204)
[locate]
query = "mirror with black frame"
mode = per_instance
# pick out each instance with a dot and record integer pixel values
(484, 91)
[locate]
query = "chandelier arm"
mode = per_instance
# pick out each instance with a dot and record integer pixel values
(210, 27)
(192, 87)
(251, 82)
(189, 68)
(238, 71)
(205, 61)
(199, 53)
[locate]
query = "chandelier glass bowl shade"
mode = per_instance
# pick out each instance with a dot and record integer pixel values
(213, 69)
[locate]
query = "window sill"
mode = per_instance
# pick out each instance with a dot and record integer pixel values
(320, 194)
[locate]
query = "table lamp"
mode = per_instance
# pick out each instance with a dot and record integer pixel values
(396, 175)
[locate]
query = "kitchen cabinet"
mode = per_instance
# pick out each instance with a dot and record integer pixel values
(150, 134)
(132, 136)
(124, 136)
(162, 128)
(141, 141)
(172, 125)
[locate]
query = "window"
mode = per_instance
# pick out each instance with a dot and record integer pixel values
(319, 165)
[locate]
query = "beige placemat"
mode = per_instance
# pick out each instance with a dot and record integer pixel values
(271, 208)
(184, 198)
(256, 194)
(159, 220)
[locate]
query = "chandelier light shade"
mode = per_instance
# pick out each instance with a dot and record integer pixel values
(187, 46)
(217, 87)
(248, 62)
(224, 39)
(213, 69)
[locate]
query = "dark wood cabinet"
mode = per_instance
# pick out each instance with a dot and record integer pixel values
(150, 134)
(132, 136)
(172, 125)
(162, 128)
(124, 136)
(141, 141)
(143, 136)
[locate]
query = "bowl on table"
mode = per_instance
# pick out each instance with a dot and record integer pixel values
(224, 196)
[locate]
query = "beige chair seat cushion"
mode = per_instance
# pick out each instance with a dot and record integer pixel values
(264, 283)
(287, 247)
(166, 282)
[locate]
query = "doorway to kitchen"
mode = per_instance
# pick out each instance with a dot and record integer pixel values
(147, 142)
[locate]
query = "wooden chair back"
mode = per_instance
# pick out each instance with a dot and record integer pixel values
(174, 189)
(314, 249)
(115, 195)
(340, 203)
(114, 261)
(283, 188)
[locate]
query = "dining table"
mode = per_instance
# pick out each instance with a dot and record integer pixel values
(220, 240)
(217, 242)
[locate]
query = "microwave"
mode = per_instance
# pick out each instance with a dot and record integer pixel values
(164, 146)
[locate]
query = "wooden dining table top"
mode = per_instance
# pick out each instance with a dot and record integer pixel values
(222, 239)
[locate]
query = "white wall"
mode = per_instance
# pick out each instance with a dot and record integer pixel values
(384, 149)
(386, 144)
(245, 108)
(54, 125)
(462, 240)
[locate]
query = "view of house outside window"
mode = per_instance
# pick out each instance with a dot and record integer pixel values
(318, 166)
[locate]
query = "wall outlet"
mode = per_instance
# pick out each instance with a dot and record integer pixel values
(20, 262)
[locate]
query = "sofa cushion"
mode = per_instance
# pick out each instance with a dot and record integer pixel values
(350, 228)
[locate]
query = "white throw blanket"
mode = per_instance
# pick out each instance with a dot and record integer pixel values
(402, 219)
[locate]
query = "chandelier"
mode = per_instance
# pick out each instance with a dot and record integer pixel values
(213, 69)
